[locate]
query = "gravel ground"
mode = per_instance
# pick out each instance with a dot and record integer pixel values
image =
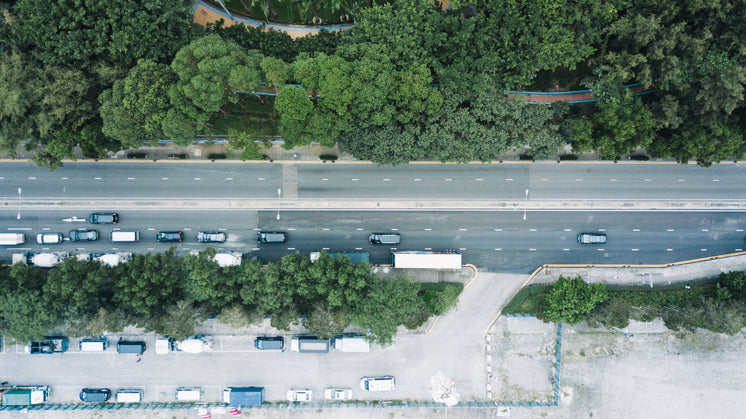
(655, 373)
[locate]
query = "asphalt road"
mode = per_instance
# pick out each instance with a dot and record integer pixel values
(493, 240)
(225, 181)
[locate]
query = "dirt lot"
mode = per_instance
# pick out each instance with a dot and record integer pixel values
(655, 373)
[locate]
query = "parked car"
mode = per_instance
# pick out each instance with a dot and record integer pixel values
(592, 238)
(95, 395)
(210, 237)
(385, 383)
(104, 218)
(49, 238)
(83, 235)
(170, 236)
(269, 342)
(300, 395)
(338, 393)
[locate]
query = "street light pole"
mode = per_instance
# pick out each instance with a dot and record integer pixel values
(279, 192)
(525, 206)
(19, 204)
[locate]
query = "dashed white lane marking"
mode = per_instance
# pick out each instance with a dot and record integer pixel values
(578, 180)
(479, 180)
(739, 229)
(648, 180)
(531, 250)
(229, 178)
(635, 229)
(130, 178)
(612, 180)
(462, 248)
(151, 229)
(324, 248)
(705, 230)
(46, 229)
(669, 229)
(198, 178)
(449, 180)
(164, 178)
(355, 179)
(531, 229)
(682, 180)
(291, 248)
(463, 229)
(387, 180)
(498, 229)
(359, 229)
(394, 229)
(261, 178)
(418, 180)
(63, 178)
(97, 178)
(739, 250)
(32, 177)
(508, 180)
(716, 180)
(545, 180)
(669, 250)
(187, 229)
(601, 229)
(498, 249)
(566, 250)
(428, 248)
(635, 250)
(325, 179)
(324, 229)
(568, 229)
(291, 229)
(702, 250)
(428, 229)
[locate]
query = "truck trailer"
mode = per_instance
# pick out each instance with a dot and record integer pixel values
(350, 343)
(243, 396)
(309, 344)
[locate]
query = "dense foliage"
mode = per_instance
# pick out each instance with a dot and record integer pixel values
(570, 300)
(409, 81)
(170, 296)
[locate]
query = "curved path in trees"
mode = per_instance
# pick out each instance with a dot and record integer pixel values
(205, 13)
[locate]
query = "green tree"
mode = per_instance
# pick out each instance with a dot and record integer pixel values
(570, 300)
(77, 289)
(209, 71)
(24, 315)
(206, 283)
(387, 305)
(179, 322)
(324, 321)
(148, 285)
(134, 109)
(247, 144)
(275, 71)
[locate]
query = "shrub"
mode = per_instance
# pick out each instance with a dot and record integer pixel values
(217, 156)
(641, 157)
(137, 155)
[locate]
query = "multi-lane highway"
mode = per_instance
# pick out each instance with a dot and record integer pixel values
(159, 183)
(493, 240)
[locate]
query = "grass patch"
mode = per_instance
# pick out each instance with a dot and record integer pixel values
(527, 300)
(249, 115)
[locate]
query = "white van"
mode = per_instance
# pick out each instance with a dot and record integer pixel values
(129, 396)
(93, 345)
(124, 236)
(12, 239)
(385, 383)
(188, 394)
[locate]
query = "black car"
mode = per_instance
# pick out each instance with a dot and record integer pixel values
(104, 218)
(170, 236)
(95, 395)
(83, 235)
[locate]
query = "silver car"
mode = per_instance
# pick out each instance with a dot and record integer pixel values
(592, 238)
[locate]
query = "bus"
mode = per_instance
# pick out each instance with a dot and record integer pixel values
(426, 259)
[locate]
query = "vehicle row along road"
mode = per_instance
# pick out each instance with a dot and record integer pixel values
(492, 240)
(215, 184)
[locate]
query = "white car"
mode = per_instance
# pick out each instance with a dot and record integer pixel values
(49, 238)
(300, 395)
(338, 394)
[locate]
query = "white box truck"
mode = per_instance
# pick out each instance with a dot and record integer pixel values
(12, 239)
